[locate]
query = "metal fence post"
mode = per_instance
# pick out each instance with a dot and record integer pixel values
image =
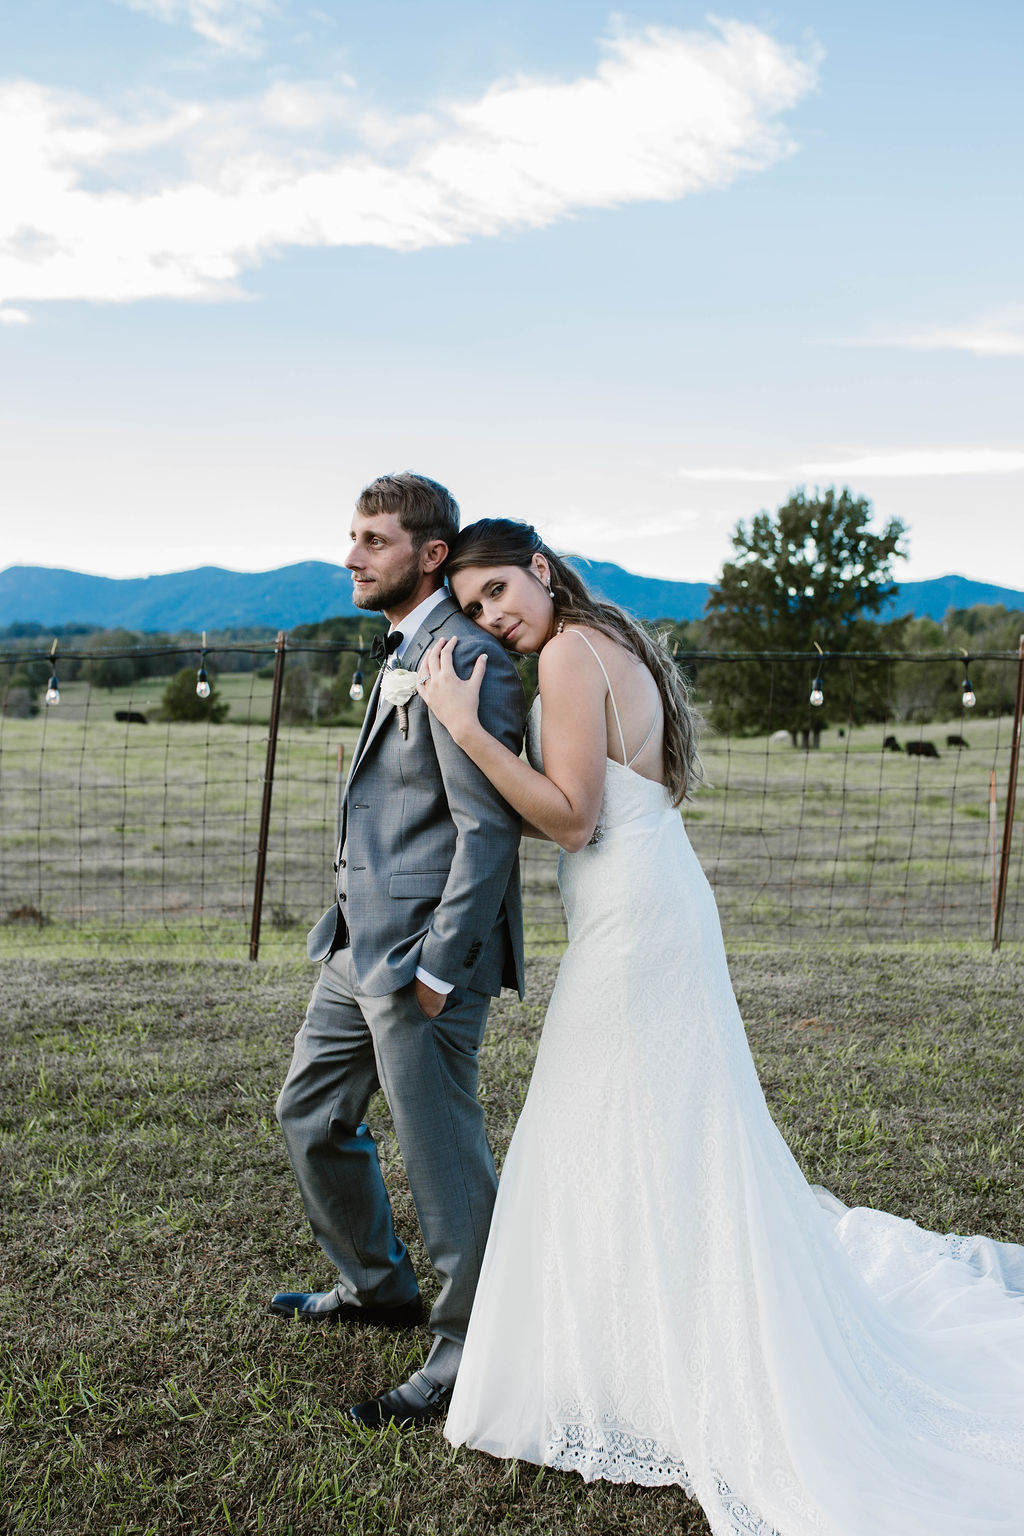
(268, 790)
(1011, 796)
(993, 838)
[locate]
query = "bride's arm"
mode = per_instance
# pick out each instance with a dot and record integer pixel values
(563, 802)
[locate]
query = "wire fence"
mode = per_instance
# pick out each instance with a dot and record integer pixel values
(119, 828)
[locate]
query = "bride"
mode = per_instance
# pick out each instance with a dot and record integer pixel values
(664, 1298)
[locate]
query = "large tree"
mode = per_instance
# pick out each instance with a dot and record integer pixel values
(813, 573)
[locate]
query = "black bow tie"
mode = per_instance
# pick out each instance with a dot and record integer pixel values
(381, 646)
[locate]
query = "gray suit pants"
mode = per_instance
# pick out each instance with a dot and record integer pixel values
(347, 1048)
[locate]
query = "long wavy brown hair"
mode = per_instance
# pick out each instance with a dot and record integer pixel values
(502, 541)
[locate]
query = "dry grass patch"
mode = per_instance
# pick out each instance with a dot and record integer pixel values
(149, 1212)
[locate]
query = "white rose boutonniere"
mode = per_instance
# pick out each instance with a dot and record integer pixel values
(397, 686)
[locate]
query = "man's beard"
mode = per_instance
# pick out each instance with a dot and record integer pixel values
(399, 589)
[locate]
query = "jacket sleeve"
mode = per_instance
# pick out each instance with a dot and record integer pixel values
(487, 829)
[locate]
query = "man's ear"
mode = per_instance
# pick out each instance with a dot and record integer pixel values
(433, 555)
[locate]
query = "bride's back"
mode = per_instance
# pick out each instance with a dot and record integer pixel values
(634, 718)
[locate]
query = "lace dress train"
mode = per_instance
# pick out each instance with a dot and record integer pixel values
(665, 1299)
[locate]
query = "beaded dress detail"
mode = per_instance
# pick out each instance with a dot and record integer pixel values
(664, 1297)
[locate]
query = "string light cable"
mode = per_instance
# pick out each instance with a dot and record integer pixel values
(202, 681)
(53, 686)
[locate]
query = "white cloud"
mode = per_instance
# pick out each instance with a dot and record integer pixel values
(913, 463)
(181, 202)
(920, 463)
(9, 316)
(741, 476)
(572, 528)
(232, 25)
(1000, 334)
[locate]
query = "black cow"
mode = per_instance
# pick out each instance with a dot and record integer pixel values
(956, 741)
(890, 744)
(130, 717)
(922, 749)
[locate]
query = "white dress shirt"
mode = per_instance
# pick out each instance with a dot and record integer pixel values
(412, 621)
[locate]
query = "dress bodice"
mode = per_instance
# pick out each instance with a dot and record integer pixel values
(534, 754)
(627, 794)
(665, 1299)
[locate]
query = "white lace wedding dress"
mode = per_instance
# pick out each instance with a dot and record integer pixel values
(665, 1299)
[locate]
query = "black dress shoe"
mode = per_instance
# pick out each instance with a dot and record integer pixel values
(416, 1401)
(328, 1307)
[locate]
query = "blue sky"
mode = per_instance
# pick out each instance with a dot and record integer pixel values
(632, 274)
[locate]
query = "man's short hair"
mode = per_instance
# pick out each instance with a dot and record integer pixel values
(425, 509)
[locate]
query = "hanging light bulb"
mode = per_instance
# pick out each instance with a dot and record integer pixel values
(355, 693)
(53, 686)
(968, 699)
(817, 691)
(202, 681)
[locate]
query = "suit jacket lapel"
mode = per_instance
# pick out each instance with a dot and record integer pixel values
(421, 641)
(369, 720)
(376, 712)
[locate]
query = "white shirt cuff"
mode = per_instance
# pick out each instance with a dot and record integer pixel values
(433, 982)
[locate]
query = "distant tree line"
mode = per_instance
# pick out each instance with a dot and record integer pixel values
(316, 686)
(813, 575)
(135, 655)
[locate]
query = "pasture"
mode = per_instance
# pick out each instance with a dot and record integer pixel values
(123, 837)
(149, 1212)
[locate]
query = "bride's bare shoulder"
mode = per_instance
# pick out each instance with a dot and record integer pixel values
(565, 662)
(565, 649)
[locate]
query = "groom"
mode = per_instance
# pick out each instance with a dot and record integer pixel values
(426, 928)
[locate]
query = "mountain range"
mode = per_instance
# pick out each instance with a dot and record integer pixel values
(215, 599)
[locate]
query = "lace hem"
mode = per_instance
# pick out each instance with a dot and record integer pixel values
(745, 1521)
(615, 1456)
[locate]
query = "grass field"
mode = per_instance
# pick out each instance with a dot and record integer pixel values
(149, 1212)
(141, 837)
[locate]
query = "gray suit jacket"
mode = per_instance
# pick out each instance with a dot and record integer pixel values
(428, 864)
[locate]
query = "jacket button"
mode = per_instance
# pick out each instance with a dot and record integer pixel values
(342, 896)
(340, 864)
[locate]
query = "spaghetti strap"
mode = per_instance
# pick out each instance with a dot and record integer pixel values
(650, 733)
(611, 695)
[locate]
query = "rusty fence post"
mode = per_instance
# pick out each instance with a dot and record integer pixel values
(993, 838)
(1011, 796)
(268, 790)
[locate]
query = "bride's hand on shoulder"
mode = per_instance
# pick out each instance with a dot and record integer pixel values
(454, 700)
(563, 801)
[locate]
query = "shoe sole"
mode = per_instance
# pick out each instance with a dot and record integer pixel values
(419, 1421)
(337, 1317)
